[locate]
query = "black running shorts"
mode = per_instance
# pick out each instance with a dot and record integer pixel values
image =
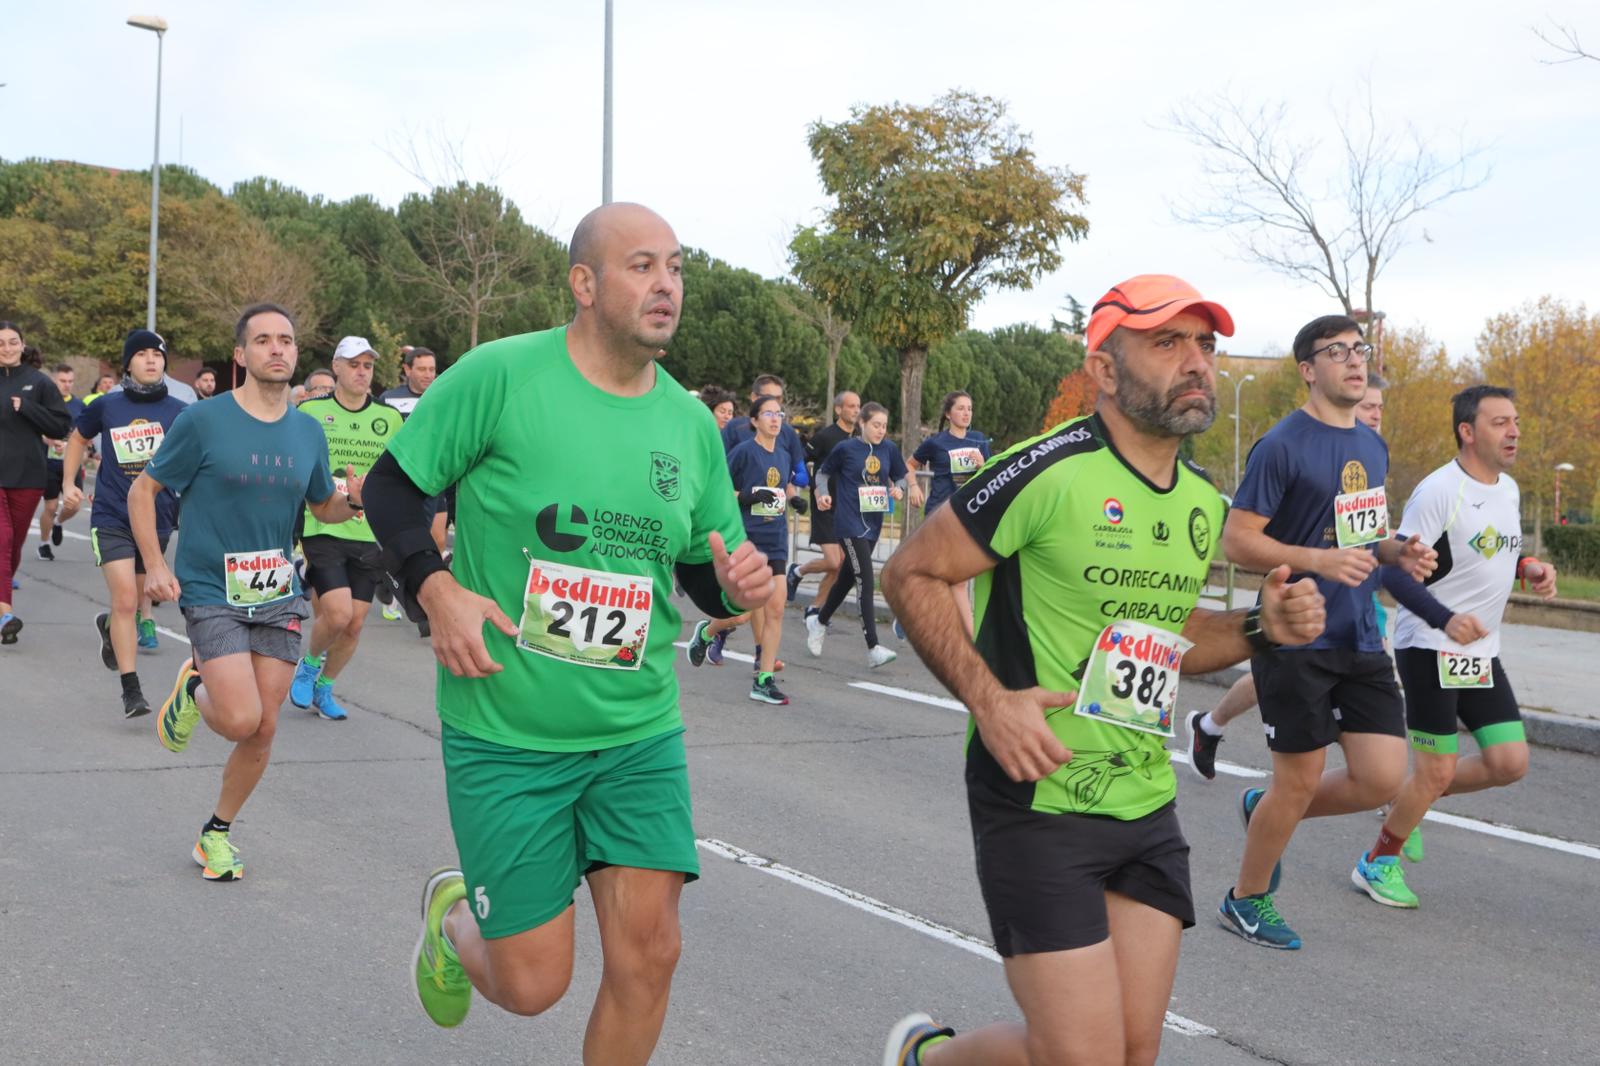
(336, 563)
(1490, 714)
(822, 528)
(1309, 697)
(1045, 876)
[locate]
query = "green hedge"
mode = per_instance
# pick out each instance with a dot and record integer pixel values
(1575, 549)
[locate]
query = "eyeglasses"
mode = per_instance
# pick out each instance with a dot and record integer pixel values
(773, 414)
(1340, 352)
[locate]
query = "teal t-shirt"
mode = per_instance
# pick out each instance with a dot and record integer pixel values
(572, 505)
(1081, 540)
(243, 483)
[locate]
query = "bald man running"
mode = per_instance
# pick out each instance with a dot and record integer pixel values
(562, 736)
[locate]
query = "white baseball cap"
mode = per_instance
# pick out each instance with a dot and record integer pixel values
(354, 347)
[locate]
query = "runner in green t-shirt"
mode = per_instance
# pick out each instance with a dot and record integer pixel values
(342, 561)
(586, 480)
(1090, 546)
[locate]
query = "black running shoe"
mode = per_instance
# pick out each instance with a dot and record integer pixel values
(55, 535)
(45, 553)
(134, 705)
(1202, 747)
(793, 579)
(108, 654)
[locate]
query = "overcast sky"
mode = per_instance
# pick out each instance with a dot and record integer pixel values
(713, 98)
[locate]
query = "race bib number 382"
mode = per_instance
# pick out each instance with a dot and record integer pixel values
(1132, 677)
(586, 617)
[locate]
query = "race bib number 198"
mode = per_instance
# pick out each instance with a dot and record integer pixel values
(586, 617)
(1132, 677)
(252, 579)
(874, 499)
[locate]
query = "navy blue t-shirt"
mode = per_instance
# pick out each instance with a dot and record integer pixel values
(128, 431)
(752, 466)
(855, 464)
(953, 460)
(1291, 479)
(57, 456)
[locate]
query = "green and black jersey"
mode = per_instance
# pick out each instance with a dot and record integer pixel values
(1082, 540)
(355, 438)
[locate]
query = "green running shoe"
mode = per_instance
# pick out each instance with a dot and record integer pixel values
(443, 988)
(1412, 848)
(1384, 880)
(176, 722)
(218, 858)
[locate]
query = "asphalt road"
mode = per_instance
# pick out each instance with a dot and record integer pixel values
(850, 899)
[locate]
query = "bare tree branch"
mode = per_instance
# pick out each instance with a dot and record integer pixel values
(1256, 180)
(1569, 46)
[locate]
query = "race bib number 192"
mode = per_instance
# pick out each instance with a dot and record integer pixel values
(252, 579)
(586, 617)
(965, 461)
(1132, 677)
(1361, 517)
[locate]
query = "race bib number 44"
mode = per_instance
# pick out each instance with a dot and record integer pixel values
(252, 579)
(1460, 670)
(1132, 677)
(874, 499)
(1361, 517)
(586, 617)
(137, 443)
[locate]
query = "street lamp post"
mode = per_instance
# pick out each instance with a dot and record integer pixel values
(1559, 468)
(605, 136)
(157, 25)
(1238, 387)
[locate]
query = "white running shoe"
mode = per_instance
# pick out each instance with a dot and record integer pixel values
(815, 631)
(878, 655)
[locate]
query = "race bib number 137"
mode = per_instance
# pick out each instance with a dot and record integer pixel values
(1132, 677)
(586, 617)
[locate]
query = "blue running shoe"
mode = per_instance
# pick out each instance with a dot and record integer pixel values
(1256, 919)
(147, 634)
(1384, 880)
(302, 690)
(714, 649)
(698, 644)
(899, 630)
(327, 707)
(792, 579)
(10, 625)
(1247, 805)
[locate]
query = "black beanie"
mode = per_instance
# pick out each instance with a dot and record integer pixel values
(138, 341)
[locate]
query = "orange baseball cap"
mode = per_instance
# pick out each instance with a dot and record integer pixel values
(1147, 301)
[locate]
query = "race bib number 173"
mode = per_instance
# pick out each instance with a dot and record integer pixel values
(586, 617)
(1132, 677)
(1361, 517)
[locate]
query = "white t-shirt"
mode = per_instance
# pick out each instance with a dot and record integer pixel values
(1477, 531)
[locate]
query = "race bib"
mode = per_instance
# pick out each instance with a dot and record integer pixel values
(340, 485)
(965, 460)
(252, 579)
(1132, 677)
(769, 510)
(1361, 517)
(874, 499)
(137, 443)
(1460, 670)
(586, 617)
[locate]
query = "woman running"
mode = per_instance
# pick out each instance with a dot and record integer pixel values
(761, 478)
(953, 454)
(856, 482)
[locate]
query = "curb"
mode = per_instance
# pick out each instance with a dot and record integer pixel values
(1546, 729)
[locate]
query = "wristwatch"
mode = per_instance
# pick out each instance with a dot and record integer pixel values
(1255, 634)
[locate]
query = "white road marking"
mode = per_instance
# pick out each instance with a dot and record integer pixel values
(942, 933)
(908, 694)
(70, 533)
(173, 635)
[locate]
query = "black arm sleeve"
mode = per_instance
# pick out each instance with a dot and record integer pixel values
(397, 511)
(699, 580)
(1414, 596)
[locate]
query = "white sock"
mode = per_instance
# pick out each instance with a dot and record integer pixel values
(1209, 727)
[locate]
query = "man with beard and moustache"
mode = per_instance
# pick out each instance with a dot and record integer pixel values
(244, 467)
(205, 383)
(562, 736)
(1312, 498)
(1447, 639)
(1090, 546)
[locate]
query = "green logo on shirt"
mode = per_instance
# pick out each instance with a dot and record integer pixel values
(665, 476)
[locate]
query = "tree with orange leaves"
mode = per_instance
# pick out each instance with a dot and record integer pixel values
(1075, 398)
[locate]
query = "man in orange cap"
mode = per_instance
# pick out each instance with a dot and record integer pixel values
(1090, 546)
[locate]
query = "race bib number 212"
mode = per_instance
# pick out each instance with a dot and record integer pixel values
(586, 617)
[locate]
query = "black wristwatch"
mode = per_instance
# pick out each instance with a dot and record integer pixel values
(1257, 636)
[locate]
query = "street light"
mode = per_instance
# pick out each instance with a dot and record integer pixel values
(605, 133)
(157, 25)
(1238, 386)
(1559, 468)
